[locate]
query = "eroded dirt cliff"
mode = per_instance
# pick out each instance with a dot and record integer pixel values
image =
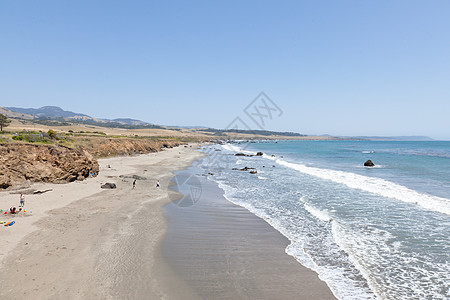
(22, 163)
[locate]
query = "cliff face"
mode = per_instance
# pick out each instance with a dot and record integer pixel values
(114, 147)
(20, 163)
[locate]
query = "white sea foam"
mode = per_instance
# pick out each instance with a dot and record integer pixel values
(341, 239)
(322, 215)
(301, 256)
(375, 185)
(303, 199)
(235, 148)
(367, 251)
(365, 167)
(369, 184)
(231, 147)
(360, 245)
(341, 287)
(262, 178)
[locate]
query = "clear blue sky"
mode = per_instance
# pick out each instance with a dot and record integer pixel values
(337, 67)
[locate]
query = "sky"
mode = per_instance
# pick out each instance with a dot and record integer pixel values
(347, 67)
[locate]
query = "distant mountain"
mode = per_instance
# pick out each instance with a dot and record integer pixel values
(12, 114)
(129, 121)
(57, 113)
(189, 127)
(47, 112)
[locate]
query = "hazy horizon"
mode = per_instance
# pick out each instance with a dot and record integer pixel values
(344, 69)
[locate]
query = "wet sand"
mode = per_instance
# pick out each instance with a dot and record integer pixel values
(222, 251)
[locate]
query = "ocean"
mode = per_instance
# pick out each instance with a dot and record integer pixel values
(370, 233)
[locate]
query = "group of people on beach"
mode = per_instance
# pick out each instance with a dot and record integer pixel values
(14, 210)
(134, 184)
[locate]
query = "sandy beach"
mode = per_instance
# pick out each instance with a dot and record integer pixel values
(82, 242)
(65, 248)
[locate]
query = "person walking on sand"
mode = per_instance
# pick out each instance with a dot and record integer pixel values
(134, 183)
(22, 200)
(157, 183)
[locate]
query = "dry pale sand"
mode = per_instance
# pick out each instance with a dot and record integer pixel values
(78, 240)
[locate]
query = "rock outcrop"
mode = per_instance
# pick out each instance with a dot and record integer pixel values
(108, 185)
(369, 163)
(22, 163)
(246, 169)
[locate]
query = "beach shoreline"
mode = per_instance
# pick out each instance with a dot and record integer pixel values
(81, 241)
(223, 251)
(62, 248)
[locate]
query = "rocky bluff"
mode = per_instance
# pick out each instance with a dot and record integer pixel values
(21, 163)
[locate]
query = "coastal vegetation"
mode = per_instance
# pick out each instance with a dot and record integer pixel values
(4, 121)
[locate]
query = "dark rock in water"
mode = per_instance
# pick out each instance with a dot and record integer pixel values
(253, 172)
(108, 185)
(259, 154)
(246, 169)
(243, 154)
(369, 163)
(273, 155)
(235, 169)
(212, 174)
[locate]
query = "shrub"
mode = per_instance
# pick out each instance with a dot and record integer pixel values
(17, 137)
(51, 133)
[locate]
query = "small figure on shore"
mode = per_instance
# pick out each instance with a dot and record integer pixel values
(157, 184)
(13, 210)
(22, 200)
(134, 183)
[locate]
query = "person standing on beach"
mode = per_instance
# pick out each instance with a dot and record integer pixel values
(22, 200)
(157, 183)
(134, 183)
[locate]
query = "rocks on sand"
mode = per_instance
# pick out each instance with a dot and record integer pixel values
(109, 185)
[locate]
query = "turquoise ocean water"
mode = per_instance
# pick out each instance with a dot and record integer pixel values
(370, 233)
